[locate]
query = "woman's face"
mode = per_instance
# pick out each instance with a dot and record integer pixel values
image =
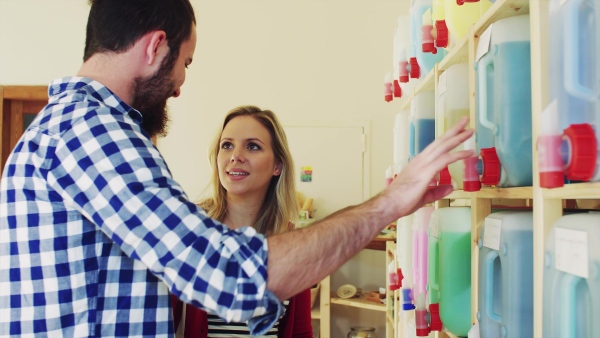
(246, 161)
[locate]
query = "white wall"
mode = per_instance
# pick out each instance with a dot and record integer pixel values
(315, 60)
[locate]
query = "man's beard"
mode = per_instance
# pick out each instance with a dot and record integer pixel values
(150, 98)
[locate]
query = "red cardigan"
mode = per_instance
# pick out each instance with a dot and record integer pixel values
(295, 323)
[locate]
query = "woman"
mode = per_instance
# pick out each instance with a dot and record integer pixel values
(253, 184)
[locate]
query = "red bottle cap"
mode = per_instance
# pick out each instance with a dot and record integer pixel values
(415, 70)
(434, 317)
(445, 178)
(491, 166)
(397, 89)
(583, 152)
(552, 179)
(442, 34)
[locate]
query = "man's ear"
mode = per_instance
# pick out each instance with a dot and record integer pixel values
(277, 170)
(156, 48)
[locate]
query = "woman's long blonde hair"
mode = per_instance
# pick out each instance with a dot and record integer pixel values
(280, 207)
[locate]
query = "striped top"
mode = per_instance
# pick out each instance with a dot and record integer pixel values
(218, 328)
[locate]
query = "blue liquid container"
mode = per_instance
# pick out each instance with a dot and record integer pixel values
(426, 60)
(571, 121)
(572, 277)
(455, 269)
(510, 121)
(423, 111)
(506, 275)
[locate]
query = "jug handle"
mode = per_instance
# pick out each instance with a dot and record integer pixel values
(489, 286)
(571, 56)
(484, 62)
(567, 311)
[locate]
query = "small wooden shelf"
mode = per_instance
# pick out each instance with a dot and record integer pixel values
(406, 99)
(425, 84)
(590, 190)
(359, 302)
(459, 194)
(379, 243)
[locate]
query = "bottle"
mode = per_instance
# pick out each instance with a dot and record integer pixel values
(362, 332)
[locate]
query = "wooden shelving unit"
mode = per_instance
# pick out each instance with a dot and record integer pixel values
(547, 204)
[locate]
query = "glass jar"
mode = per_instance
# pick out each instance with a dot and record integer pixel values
(362, 332)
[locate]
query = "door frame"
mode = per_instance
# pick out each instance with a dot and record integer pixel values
(366, 127)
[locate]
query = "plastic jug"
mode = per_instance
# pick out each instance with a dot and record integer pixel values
(453, 103)
(506, 275)
(404, 248)
(426, 60)
(455, 269)
(572, 277)
(433, 271)
(509, 164)
(569, 135)
(401, 128)
(460, 17)
(423, 111)
(401, 45)
(420, 249)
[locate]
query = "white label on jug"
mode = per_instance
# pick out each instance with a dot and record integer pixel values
(484, 43)
(572, 252)
(434, 224)
(491, 235)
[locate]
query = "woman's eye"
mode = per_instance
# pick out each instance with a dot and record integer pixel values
(226, 145)
(253, 146)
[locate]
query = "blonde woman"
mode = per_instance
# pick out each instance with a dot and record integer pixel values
(253, 185)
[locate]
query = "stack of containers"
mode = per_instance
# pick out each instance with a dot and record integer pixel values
(506, 275)
(506, 53)
(452, 104)
(433, 271)
(568, 143)
(572, 277)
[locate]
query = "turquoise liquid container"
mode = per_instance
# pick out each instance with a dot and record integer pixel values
(572, 277)
(506, 275)
(510, 119)
(426, 60)
(569, 135)
(455, 269)
(423, 111)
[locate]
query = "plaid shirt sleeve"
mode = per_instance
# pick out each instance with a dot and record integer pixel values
(85, 198)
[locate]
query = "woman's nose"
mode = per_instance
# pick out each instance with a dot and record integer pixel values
(236, 157)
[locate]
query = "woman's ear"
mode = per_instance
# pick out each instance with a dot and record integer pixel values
(277, 170)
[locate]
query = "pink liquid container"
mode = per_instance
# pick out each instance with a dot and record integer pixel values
(420, 250)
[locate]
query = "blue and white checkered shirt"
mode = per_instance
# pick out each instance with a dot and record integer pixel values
(94, 231)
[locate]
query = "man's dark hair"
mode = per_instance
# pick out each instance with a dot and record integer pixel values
(115, 25)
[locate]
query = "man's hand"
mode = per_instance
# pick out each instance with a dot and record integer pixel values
(410, 189)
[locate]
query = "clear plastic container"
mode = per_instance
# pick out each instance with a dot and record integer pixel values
(423, 112)
(452, 102)
(404, 250)
(401, 128)
(506, 275)
(426, 60)
(571, 305)
(362, 332)
(510, 121)
(455, 269)
(569, 139)
(433, 271)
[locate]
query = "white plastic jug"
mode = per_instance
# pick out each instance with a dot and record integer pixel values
(572, 277)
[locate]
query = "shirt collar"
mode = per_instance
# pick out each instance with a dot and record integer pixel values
(97, 91)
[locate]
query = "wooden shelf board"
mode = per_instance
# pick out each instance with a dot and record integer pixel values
(379, 243)
(590, 190)
(501, 9)
(459, 194)
(406, 99)
(425, 83)
(359, 302)
(509, 193)
(458, 54)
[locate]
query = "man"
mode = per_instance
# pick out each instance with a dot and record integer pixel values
(94, 231)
